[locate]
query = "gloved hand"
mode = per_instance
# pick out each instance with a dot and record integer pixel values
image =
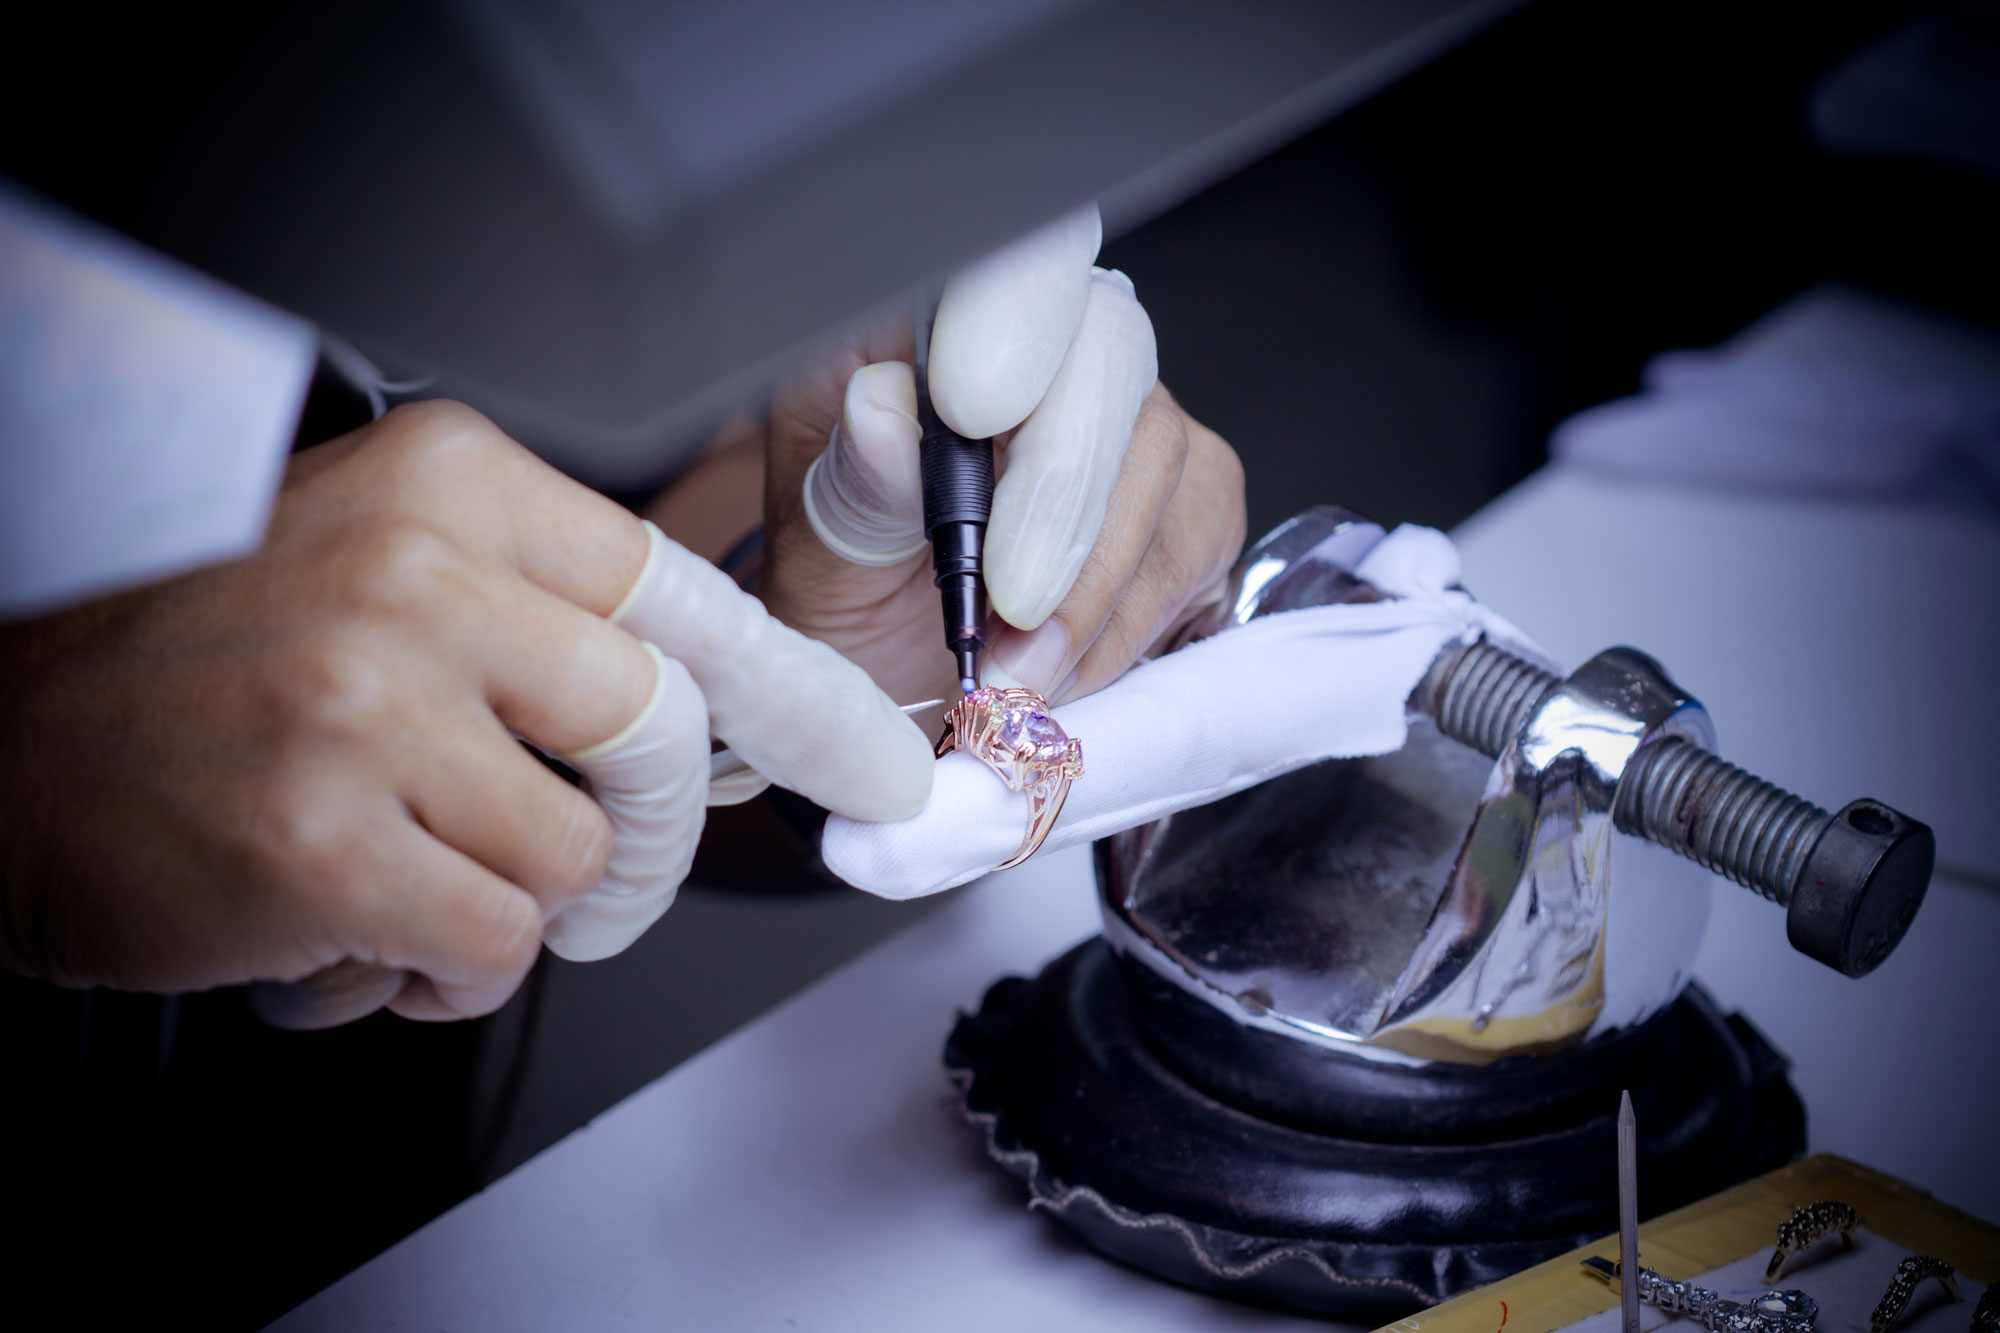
(797, 711)
(1250, 703)
(307, 757)
(1114, 519)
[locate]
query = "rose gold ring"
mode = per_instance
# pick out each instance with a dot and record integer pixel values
(1011, 732)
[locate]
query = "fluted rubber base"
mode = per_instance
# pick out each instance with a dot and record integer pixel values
(1069, 1094)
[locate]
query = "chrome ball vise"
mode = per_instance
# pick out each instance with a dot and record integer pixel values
(1352, 1040)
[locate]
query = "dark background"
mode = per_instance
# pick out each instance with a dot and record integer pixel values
(1390, 314)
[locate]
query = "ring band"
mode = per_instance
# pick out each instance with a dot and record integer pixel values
(1011, 732)
(1986, 1315)
(1909, 1274)
(1808, 1225)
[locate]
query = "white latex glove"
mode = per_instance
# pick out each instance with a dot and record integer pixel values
(1277, 694)
(800, 713)
(1031, 340)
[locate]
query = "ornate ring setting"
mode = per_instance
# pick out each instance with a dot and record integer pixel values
(1011, 732)
(1909, 1274)
(1811, 1224)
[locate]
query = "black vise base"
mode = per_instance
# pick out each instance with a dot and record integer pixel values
(1067, 1088)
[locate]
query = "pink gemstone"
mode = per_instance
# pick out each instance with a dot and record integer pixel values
(1036, 730)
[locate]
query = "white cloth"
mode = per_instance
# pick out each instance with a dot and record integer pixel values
(1803, 408)
(145, 411)
(1255, 701)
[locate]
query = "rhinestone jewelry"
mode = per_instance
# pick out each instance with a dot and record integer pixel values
(1910, 1274)
(1812, 1223)
(1011, 732)
(1986, 1314)
(1787, 1311)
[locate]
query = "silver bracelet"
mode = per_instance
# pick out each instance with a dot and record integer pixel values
(1788, 1311)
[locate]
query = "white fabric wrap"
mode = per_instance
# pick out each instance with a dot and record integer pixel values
(1233, 710)
(1798, 427)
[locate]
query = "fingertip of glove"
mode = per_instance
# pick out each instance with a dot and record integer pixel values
(656, 555)
(1024, 612)
(878, 421)
(1025, 579)
(737, 788)
(668, 675)
(599, 925)
(1116, 277)
(901, 765)
(981, 409)
(883, 386)
(851, 750)
(1005, 322)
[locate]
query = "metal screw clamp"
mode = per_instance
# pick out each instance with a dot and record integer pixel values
(1851, 882)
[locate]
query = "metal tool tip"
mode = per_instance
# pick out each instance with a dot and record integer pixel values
(967, 654)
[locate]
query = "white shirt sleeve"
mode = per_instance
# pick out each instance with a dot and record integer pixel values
(145, 410)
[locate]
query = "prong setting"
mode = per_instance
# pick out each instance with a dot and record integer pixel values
(1809, 1225)
(1012, 733)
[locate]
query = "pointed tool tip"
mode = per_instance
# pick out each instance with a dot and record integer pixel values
(1628, 1215)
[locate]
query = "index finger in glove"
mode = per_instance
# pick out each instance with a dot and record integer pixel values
(793, 708)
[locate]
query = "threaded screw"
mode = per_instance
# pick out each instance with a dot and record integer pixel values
(1674, 792)
(1489, 696)
(1681, 796)
(1851, 881)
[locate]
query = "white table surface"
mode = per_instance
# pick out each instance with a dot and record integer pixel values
(810, 1172)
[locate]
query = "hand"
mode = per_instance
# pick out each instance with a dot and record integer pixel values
(308, 756)
(1115, 518)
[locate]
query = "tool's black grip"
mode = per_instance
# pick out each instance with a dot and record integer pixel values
(955, 564)
(957, 548)
(958, 478)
